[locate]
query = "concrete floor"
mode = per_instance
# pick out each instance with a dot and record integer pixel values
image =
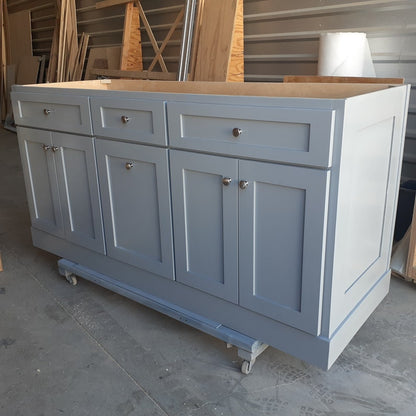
(83, 350)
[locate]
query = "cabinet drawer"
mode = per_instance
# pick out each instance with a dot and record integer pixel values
(133, 120)
(290, 135)
(63, 113)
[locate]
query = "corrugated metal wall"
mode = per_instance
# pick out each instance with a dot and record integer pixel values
(282, 37)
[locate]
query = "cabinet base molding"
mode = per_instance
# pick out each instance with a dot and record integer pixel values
(118, 277)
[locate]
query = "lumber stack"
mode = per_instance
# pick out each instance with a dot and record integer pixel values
(67, 56)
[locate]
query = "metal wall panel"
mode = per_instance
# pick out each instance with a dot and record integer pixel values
(282, 38)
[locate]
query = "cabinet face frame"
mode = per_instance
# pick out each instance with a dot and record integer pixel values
(115, 160)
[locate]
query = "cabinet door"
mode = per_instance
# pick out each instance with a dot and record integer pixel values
(135, 194)
(281, 242)
(41, 181)
(205, 215)
(78, 187)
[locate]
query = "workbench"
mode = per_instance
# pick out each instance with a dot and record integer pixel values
(260, 213)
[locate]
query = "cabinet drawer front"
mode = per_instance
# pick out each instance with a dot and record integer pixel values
(63, 113)
(276, 134)
(133, 120)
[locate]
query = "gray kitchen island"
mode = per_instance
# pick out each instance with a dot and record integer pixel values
(262, 214)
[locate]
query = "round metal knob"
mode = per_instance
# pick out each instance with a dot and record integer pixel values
(45, 147)
(55, 148)
(129, 165)
(125, 119)
(243, 184)
(237, 132)
(226, 181)
(46, 111)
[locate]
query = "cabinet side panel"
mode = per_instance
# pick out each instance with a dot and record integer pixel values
(371, 154)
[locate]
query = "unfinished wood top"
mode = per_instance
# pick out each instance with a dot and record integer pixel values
(304, 90)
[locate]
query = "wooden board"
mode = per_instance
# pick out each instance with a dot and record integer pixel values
(20, 36)
(329, 79)
(410, 270)
(263, 89)
(118, 73)
(236, 64)
(216, 40)
(27, 70)
(103, 58)
(131, 49)
(10, 80)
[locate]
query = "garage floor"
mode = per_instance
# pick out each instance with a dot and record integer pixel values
(83, 350)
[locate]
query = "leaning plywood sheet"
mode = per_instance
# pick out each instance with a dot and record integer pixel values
(103, 58)
(27, 70)
(20, 36)
(219, 32)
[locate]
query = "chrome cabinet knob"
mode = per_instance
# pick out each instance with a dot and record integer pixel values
(237, 132)
(46, 111)
(129, 165)
(243, 184)
(46, 147)
(55, 148)
(226, 181)
(125, 119)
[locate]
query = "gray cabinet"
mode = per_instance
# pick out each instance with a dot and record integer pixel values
(261, 216)
(136, 205)
(251, 233)
(62, 186)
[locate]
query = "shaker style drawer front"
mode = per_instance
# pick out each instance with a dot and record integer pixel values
(63, 113)
(140, 121)
(274, 134)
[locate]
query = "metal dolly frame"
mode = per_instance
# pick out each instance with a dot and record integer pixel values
(247, 348)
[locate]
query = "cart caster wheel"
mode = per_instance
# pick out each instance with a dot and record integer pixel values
(246, 367)
(71, 279)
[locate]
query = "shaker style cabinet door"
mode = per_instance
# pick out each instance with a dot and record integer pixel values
(41, 181)
(205, 209)
(282, 211)
(78, 190)
(135, 192)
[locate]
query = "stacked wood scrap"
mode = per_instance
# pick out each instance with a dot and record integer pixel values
(67, 56)
(131, 63)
